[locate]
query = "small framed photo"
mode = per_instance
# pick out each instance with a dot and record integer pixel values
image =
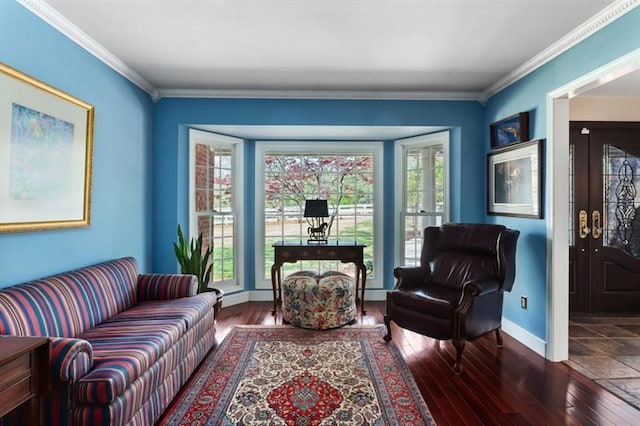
(510, 130)
(514, 178)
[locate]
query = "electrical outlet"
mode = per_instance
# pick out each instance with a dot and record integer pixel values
(523, 302)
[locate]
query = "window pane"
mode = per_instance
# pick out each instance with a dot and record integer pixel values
(344, 180)
(213, 182)
(424, 196)
(221, 179)
(204, 228)
(223, 191)
(412, 241)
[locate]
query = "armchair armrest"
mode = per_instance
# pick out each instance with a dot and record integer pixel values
(481, 286)
(409, 276)
(71, 358)
(475, 288)
(166, 286)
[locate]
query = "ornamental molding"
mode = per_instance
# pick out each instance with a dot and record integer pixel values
(317, 94)
(594, 24)
(62, 24)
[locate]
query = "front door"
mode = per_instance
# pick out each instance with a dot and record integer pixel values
(604, 253)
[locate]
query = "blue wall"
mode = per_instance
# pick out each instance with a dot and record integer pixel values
(170, 155)
(140, 181)
(529, 94)
(121, 193)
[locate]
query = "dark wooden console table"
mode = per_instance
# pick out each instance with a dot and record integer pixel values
(24, 378)
(292, 252)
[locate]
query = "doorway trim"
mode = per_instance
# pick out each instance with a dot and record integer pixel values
(557, 179)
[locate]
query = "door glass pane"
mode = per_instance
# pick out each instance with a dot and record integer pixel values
(621, 199)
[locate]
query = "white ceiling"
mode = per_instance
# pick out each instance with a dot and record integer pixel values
(355, 45)
(461, 49)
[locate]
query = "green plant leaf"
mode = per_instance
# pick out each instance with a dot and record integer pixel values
(192, 260)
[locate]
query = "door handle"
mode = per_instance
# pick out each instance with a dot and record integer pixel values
(595, 222)
(583, 229)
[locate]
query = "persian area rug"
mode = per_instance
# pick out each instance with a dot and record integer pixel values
(281, 375)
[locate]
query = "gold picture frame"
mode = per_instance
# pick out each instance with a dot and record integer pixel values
(46, 143)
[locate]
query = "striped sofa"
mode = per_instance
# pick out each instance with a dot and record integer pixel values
(122, 343)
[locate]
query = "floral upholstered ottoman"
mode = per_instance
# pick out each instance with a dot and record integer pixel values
(310, 300)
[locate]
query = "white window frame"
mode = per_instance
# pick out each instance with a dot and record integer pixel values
(237, 146)
(400, 149)
(333, 147)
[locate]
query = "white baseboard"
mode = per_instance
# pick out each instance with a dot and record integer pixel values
(375, 295)
(531, 341)
(261, 296)
(235, 298)
(267, 296)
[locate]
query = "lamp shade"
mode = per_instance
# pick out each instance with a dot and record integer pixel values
(316, 208)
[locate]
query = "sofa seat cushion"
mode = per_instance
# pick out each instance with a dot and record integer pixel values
(440, 301)
(188, 310)
(122, 352)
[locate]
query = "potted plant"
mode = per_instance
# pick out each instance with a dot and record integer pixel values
(192, 260)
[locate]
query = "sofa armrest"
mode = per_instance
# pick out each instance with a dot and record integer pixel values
(71, 358)
(408, 277)
(166, 286)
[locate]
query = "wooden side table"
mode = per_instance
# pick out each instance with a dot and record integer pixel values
(292, 252)
(24, 377)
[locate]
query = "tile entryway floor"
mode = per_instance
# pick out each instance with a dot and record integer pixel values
(607, 350)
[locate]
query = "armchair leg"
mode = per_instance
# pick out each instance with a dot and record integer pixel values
(459, 345)
(387, 322)
(498, 338)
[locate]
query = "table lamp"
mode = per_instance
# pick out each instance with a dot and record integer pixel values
(315, 211)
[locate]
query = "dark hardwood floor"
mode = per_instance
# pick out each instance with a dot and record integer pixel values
(499, 386)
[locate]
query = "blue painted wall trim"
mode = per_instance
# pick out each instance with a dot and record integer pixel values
(388, 250)
(249, 209)
(121, 195)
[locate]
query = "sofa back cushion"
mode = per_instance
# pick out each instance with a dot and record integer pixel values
(67, 304)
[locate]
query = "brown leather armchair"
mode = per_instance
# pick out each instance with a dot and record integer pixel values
(457, 291)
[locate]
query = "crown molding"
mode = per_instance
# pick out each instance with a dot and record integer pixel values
(62, 24)
(317, 94)
(594, 24)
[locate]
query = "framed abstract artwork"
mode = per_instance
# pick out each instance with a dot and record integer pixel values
(46, 139)
(510, 130)
(514, 184)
